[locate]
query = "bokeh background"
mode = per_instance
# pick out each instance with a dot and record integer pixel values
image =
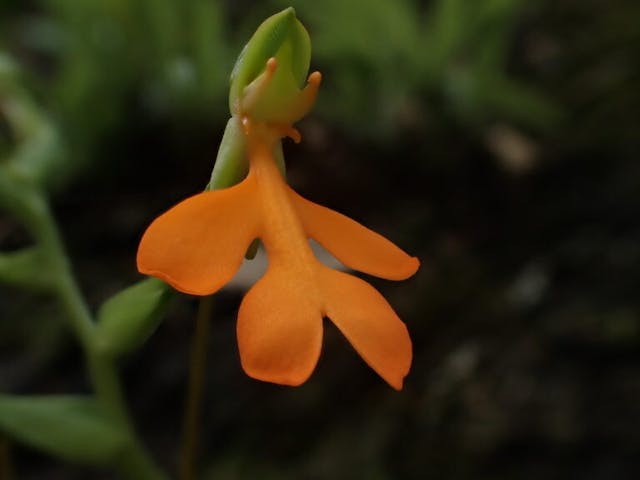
(498, 140)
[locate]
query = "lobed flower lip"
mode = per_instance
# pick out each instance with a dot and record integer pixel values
(198, 245)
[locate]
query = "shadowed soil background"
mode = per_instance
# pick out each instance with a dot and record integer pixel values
(497, 142)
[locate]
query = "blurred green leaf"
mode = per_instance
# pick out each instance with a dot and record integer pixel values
(367, 50)
(521, 103)
(25, 268)
(127, 319)
(37, 155)
(210, 51)
(377, 31)
(162, 19)
(446, 28)
(71, 427)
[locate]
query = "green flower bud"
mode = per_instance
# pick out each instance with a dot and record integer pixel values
(272, 90)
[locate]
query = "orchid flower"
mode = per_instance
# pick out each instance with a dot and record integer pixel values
(198, 245)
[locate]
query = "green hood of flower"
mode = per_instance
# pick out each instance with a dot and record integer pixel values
(283, 37)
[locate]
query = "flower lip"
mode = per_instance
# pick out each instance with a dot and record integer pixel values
(198, 245)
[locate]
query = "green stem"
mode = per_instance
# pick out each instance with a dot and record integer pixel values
(193, 405)
(136, 463)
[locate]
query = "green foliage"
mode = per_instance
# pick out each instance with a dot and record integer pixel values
(385, 62)
(368, 53)
(169, 57)
(127, 319)
(34, 151)
(469, 47)
(384, 56)
(71, 427)
(24, 269)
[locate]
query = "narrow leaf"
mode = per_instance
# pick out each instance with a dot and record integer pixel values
(25, 268)
(70, 427)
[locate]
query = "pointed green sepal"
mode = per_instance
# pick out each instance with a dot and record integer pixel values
(127, 319)
(231, 162)
(74, 428)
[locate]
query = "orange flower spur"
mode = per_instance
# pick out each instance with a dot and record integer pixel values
(198, 245)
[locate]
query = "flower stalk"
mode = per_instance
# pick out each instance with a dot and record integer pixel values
(193, 405)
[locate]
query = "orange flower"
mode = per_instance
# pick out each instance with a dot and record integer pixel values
(198, 245)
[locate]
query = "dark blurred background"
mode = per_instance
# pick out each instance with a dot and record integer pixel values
(498, 140)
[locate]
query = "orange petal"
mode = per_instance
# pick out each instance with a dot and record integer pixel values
(280, 329)
(353, 244)
(198, 245)
(369, 323)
